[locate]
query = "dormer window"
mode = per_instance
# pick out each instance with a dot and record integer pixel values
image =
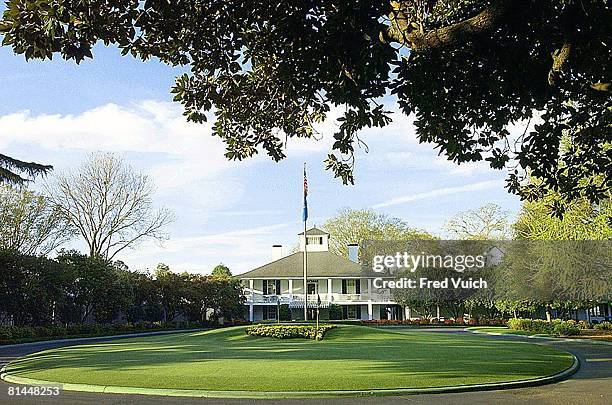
(314, 240)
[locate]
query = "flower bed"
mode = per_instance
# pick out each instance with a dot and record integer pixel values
(289, 331)
(605, 325)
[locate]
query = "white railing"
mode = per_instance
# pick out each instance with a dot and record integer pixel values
(349, 297)
(379, 296)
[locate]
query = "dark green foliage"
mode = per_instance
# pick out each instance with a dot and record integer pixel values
(335, 312)
(12, 170)
(221, 270)
(31, 287)
(77, 289)
(468, 70)
(16, 334)
(96, 288)
(285, 312)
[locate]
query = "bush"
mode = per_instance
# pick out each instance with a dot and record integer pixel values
(605, 325)
(335, 312)
(584, 324)
(565, 328)
(11, 334)
(289, 331)
(539, 326)
(285, 312)
(531, 325)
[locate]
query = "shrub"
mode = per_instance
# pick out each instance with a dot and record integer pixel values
(335, 312)
(390, 322)
(289, 331)
(605, 325)
(565, 328)
(584, 324)
(539, 326)
(285, 312)
(11, 334)
(531, 325)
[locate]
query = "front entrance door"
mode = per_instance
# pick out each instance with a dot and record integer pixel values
(312, 288)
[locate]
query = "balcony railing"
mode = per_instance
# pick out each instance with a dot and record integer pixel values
(383, 296)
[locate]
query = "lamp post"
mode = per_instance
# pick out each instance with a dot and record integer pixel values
(318, 305)
(277, 309)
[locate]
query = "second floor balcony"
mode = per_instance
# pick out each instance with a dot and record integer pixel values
(374, 296)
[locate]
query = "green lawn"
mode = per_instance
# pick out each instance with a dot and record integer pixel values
(349, 358)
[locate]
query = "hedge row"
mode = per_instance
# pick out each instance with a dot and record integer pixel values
(556, 327)
(435, 321)
(289, 331)
(12, 334)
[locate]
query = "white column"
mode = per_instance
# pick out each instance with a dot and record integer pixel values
(370, 311)
(251, 311)
(290, 289)
(251, 285)
(370, 289)
(407, 312)
(438, 312)
(329, 289)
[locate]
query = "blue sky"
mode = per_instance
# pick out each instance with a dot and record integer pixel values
(232, 212)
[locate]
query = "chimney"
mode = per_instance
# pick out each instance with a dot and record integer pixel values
(353, 252)
(277, 252)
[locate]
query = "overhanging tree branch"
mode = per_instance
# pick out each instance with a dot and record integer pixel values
(405, 30)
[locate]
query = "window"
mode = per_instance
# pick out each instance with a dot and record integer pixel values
(351, 286)
(599, 310)
(314, 240)
(352, 312)
(271, 287)
(312, 288)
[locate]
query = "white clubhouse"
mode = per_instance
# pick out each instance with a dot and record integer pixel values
(335, 280)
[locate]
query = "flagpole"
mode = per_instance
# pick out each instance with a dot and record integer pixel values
(305, 275)
(305, 216)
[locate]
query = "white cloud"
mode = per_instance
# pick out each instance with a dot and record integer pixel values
(427, 195)
(147, 127)
(184, 160)
(207, 192)
(241, 250)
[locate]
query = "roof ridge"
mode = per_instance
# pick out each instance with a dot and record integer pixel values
(326, 263)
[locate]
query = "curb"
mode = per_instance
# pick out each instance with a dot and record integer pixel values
(298, 394)
(84, 339)
(550, 338)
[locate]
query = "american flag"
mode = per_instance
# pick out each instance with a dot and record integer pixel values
(305, 183)
(305, 210)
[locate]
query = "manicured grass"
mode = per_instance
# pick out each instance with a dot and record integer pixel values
(349, 358)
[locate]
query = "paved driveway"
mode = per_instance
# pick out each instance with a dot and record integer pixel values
(592, 384)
